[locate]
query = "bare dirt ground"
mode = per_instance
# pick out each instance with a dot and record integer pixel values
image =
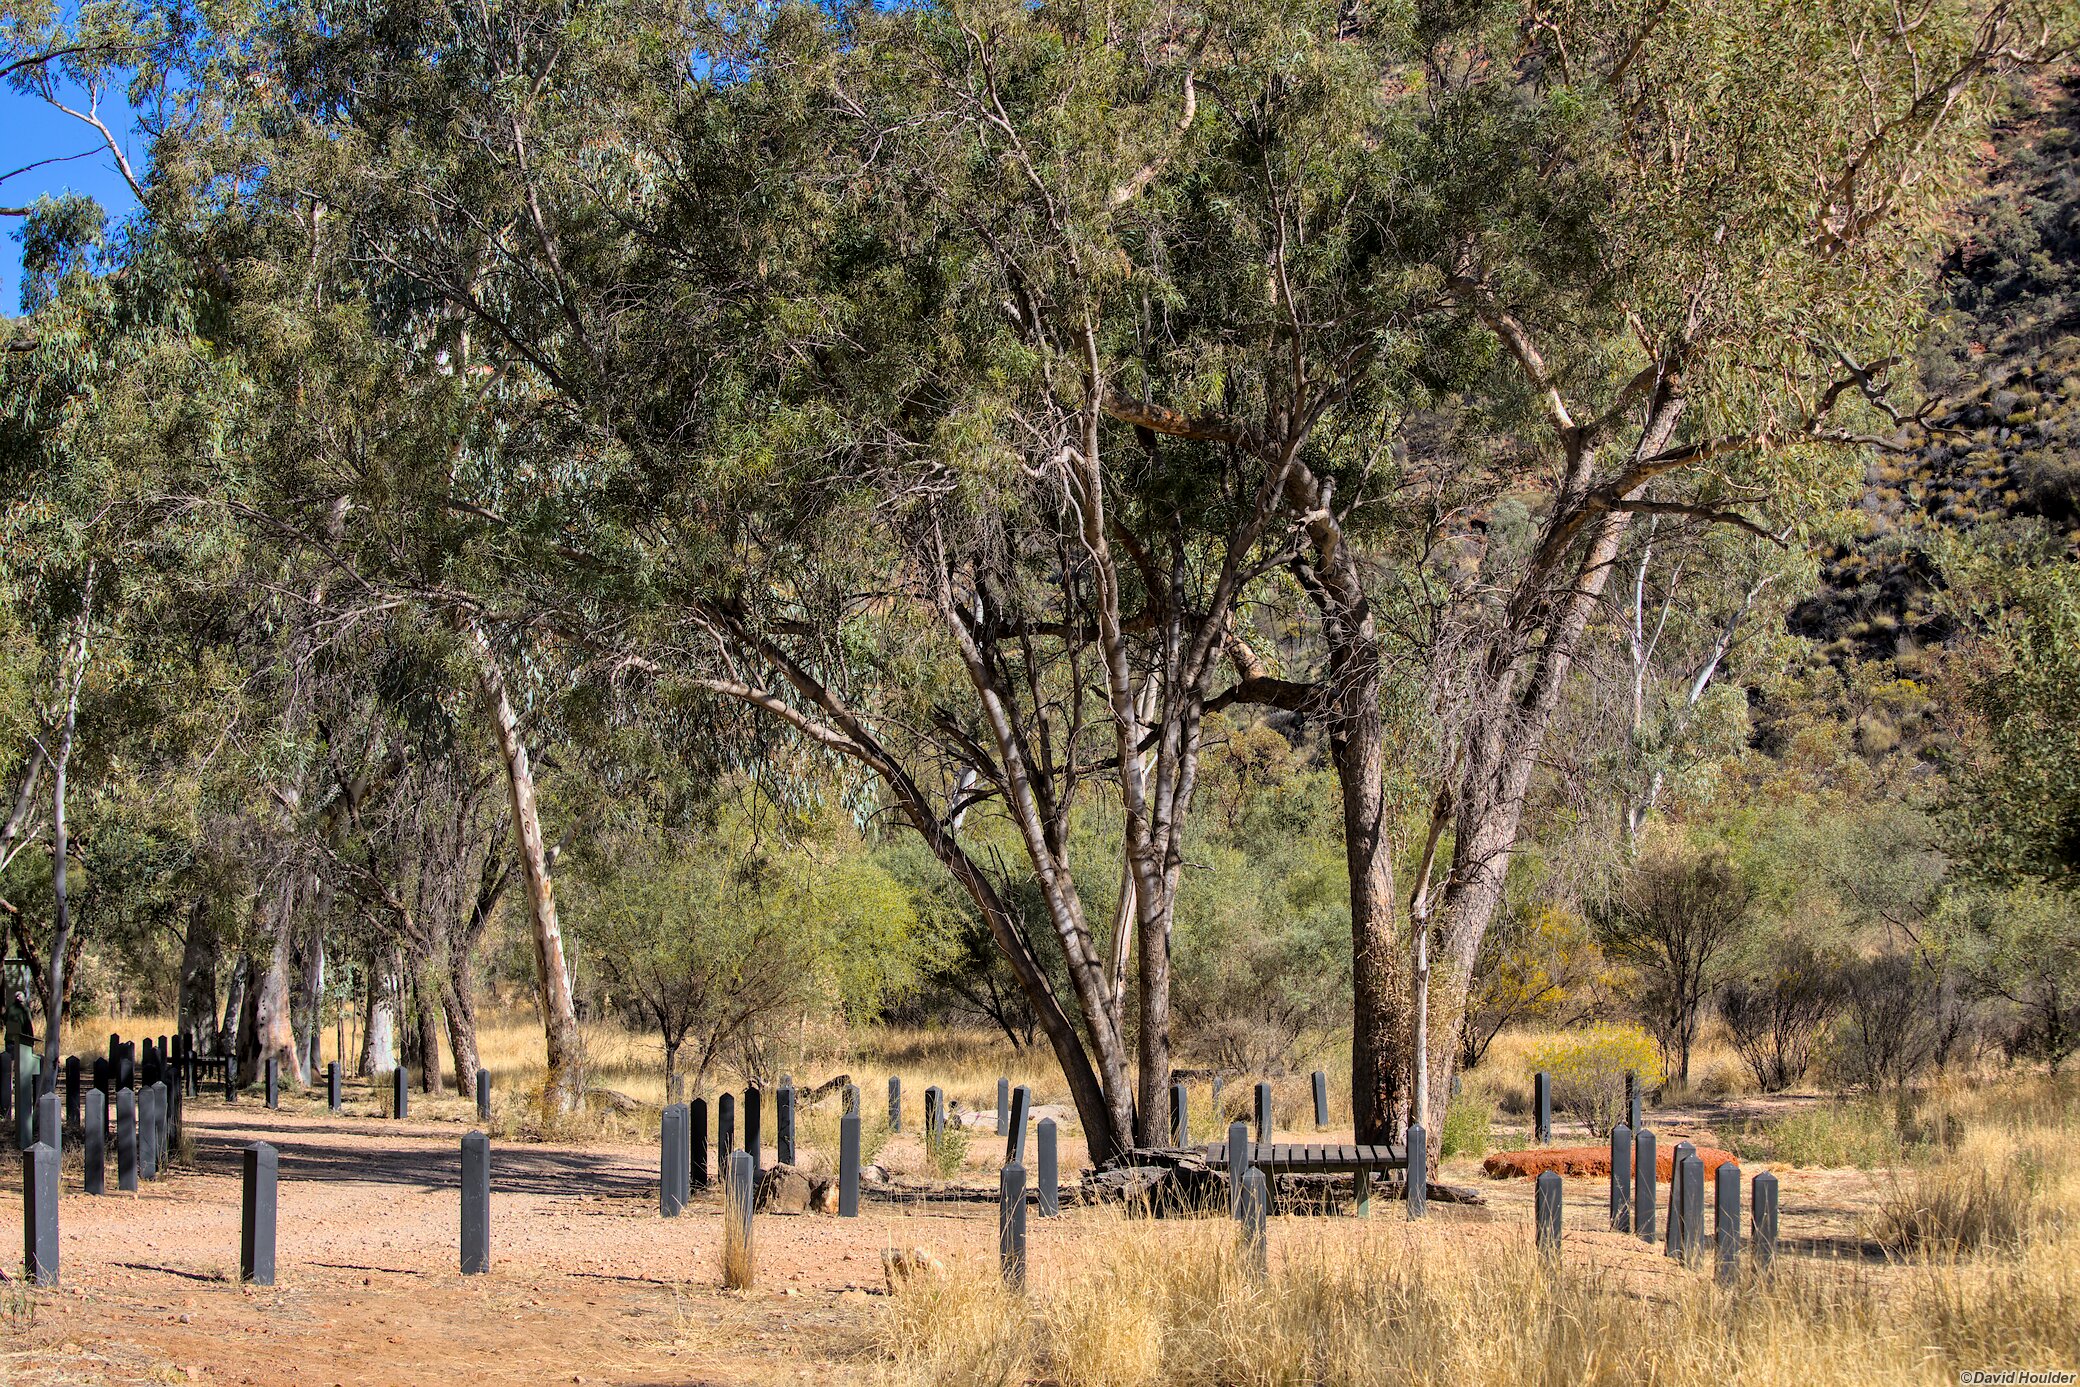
(588, 1284)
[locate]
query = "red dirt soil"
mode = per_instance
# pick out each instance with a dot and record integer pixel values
(1584, 1161)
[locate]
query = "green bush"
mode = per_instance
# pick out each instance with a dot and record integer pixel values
(1588, 1072)
(1829, 1134)
(1467, 1122)
(947, 1151)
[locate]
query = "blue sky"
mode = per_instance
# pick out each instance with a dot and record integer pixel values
(31, 130)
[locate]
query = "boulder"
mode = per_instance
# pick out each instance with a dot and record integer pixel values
(784, 1189)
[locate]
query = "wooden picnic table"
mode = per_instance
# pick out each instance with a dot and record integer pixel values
(1309, 1158)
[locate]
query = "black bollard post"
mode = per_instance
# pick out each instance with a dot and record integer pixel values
(848, 1166)
(754, 1133)
(1763, 1197)
(24, 1106)
(1015, 1140)
(104, 1077)
(1418, 1173)
(48, 1132)
(274, 1083)
(1621, 1179)
(783, 1123)
(400, 1093)
(1672, 1244)
(126, 1139)
(1542, 1107)
(1321, 1099)
(94, 1142)
(739, 1261)
(1632, 1099)
(483, 1095)
(256, 1215)
(1011, 1225)
(895, 1103)
(40, 1214)
(725, 1131)
(671, 1161)
(1693, 1211)
(332, 1102)
(1180, 1116)
(1250, 1210)
(148, 1133)
(1645, 1175)
(1548, 1208)
(697, 1144)
(1238, 1163)
(1263, 1112)
(476, 1204)
(934, 1113)
(1003, 1106)
(1726, 1221)
(1050, 1170)
(72, 1092)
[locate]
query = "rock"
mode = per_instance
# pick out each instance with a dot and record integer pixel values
(901, 1268)
(782, 1189)
(872, 1175)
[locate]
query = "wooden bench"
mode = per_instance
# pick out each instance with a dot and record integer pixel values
(1305, 1158)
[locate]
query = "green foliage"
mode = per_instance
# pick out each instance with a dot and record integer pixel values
(1468, 1120)
(1588, 1070)
(947, 1150)
(1860, 1134)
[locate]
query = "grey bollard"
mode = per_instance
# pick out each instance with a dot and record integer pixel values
(1763, 1197)
(1015, 1139)
(400, 1094)
(103, 1076)
(24, 1107)
(1726, 1221)
(126, 1139)
(1621, 1179)
(1003, 1106)
(1672, 1244)
(72, 1118)
(934, 1113)
(1418, 1173)
(332, 1096)
(148, 1133)
(1542, 1107)
(1548, 1208)
(848, 1165)
(274, 1082)
(725, 1131)
(48, 1131)
(1050, 1170)
(754, 1135)
(1180, 1117)
(1250, 1210)
(256, 1215)
(1693, 1211)
(671, 1161)
(94, 1142)
(783, 1123)
(740, 1270)
(1238, 1162)
(476, 1204)
(895, 1103)
(1632, 1100)
(483, 1094)
(175, 1101)
(1263, 1111)
(162, 1127)
(1011, 1225)
(1321, 1099)
(697, 1144)
(40, 1214)
(1645, 1174)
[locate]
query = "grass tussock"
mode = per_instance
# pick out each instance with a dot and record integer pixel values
(738, 1263)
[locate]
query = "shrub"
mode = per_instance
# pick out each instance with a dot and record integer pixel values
(1953, 1207)
(1827, 1134)
(1775, 1020)
(1588, 1072)
(947, 1151)
(1468, 1120)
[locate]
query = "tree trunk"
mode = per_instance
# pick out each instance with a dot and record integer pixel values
(552, 980)
(198, 996)
(379, 1031)
(311, 996)
(61, 906)
(234, 1007)
(458, 1005)
(274, 1031)
(426, 993)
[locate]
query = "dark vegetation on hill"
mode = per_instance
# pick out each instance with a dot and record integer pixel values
(2003, 452)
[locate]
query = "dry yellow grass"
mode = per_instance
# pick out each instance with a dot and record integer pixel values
(1169, 1302)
